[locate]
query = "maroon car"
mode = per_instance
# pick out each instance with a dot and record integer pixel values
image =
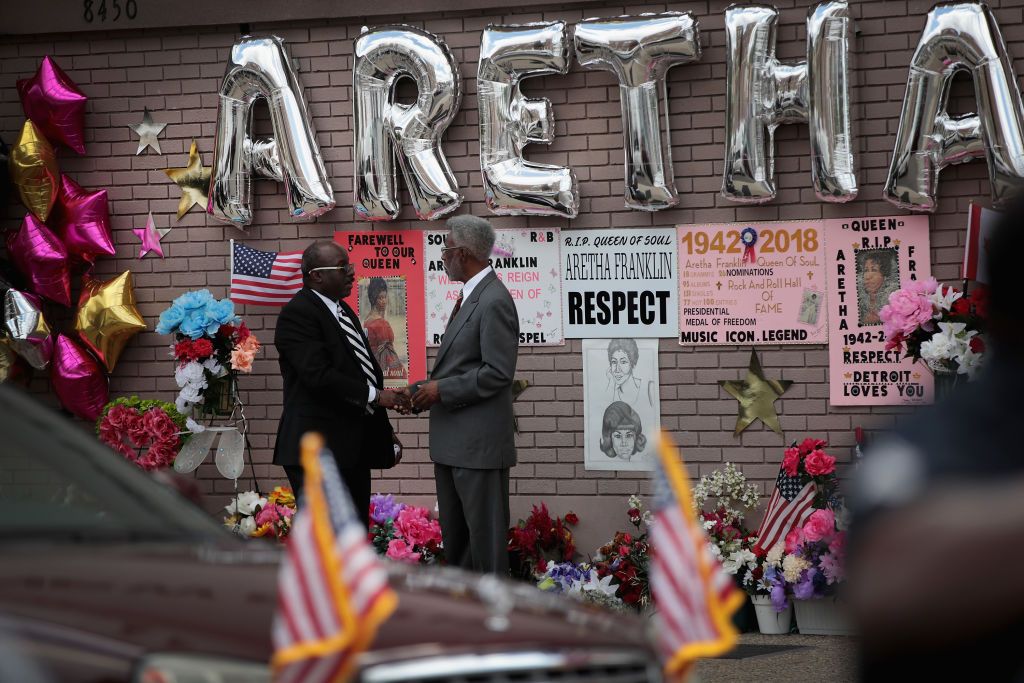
(109, 576)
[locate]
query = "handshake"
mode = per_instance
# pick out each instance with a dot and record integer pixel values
(413, 399)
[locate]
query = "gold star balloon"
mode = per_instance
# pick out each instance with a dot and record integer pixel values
(194, 181)
(33, 168)
(107, 317)
(756, 395)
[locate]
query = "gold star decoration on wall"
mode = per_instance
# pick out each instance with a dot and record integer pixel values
(756, 395)
(194, 181)
(148, 132)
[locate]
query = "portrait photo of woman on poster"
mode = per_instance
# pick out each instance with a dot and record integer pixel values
(878, 276)
(623, 383)
(391, 352)
(622, 432)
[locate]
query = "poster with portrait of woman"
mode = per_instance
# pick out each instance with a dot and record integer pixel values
(382, 306)
(621, 408)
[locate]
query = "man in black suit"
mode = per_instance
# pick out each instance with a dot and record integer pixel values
(332, 383)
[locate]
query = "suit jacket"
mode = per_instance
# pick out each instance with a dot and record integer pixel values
(473, 425)
(325, 389)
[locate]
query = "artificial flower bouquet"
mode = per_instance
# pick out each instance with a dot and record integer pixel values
(626, 558)
(810, 462)
(938, 325)
(810, 563)
(212, 345)
(149, 433)
(404, 533)
(251, 515)
(731, 498)
(582, 582)
(538, 539)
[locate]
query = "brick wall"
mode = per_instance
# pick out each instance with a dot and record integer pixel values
(176, 72)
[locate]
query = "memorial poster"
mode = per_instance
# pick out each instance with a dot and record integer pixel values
(388, 298)
(868, 259)
(527, 261)
(752, 283)
(620, 282)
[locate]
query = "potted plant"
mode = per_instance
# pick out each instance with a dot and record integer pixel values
(813, 568)
(767, 590)
(626, 558)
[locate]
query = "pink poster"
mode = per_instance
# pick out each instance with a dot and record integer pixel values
(868, 259)
(752, 283)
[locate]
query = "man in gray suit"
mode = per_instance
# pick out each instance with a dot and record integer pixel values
(469, 394)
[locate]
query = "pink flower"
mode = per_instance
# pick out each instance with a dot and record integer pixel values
(838, 545)
(402, 551)
(819, 463)
(117, 417)
(832, 568)
(272, 514)
(241, 360)
(415, 525)
(791, 461)
(794, 539)
(906, 311)
(250, 344)
(137, 429)
(820, 525)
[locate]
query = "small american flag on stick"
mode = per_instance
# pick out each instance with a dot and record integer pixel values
(264, 278)
(790, 505)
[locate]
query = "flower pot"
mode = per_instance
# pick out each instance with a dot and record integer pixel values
(219, 397)
(823, 617)
(946, 379)
(769, 621)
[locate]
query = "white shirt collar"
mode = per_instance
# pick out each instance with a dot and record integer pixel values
(471, 284)
(332, 306)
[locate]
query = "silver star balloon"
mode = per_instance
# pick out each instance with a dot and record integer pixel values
(148, 132)
(26, 328)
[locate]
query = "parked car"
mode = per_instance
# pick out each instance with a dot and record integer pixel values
(108, 576)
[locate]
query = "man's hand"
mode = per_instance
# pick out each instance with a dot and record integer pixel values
(390, 398)
(403, 403)
(399, 449)
(426, 395)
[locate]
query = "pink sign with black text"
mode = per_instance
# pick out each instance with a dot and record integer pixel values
(868, 259)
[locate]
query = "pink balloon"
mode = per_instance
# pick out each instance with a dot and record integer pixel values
(55, 104)
(42, 259)
(78, 379)
(82, 221)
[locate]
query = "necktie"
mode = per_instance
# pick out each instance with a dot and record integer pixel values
(356, 341)
(455, 311)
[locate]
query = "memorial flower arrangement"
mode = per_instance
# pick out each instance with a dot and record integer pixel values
(626, 558)
(212, 345)
(149, 433)
(731, 498)
(580, 581)
(251, 515)
(809, 461)
(939, 325)
(538, 539)
(811, 560)
(404, 533)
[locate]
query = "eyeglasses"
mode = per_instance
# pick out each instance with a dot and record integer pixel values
(444, 249)
(347, 268)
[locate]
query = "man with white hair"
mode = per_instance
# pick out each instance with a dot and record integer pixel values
(469, 395)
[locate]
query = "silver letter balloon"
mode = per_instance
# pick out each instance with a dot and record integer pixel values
(261, 67)
(639, 50)
(382, 57)
(509, 121)
(958, 37)
(763, 93)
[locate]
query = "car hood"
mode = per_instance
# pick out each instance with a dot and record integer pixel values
(130, 600)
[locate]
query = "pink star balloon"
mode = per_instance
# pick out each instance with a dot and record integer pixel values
(42, 259)
(150, 237)
(55, 104)
(78, 379)
(82, 221)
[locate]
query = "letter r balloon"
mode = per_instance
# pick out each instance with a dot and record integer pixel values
(639, 50)
(383, 126)
(509, 121)
(763, 93)
(261, 68)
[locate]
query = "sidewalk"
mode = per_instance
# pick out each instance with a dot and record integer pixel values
(806, 658)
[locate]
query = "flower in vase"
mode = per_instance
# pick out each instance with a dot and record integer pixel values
(241, 360)
(402, 551)
(170, 319)
(245, 503)
(793, 566)
(219, 313)
(906, 311)
(194, 324)
(819, 463)
(820, 525)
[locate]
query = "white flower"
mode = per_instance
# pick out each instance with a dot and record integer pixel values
(709, 524)
(739, 559)
(246, 503)
(247, 527)
(774, 556)
(213, 367)
(190, 393)
(193, 426)
(970, 363)
(943, 302)
(603, 586)
(190, 373)
(948, 343)
(182, 405)
(715, 550)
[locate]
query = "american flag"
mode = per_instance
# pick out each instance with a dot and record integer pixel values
(694, 595)
(264, 278)
(333, 591)
(789, 506)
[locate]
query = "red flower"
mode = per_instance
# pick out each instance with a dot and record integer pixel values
(243, 333)
(980, 300)
(977, 344)
(808, 445)
(201, 349)
(820, 463)
(961, 306)
(895, 342)
(572, 519)
(791, 461)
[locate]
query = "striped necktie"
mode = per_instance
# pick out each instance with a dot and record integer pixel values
(455, 311)
(356, 341)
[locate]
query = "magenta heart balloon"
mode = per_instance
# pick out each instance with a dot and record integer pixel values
(82, 221)
(78, 379)
(55, 105)
(42, 259)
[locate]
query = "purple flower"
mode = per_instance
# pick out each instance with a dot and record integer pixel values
(804, 588)
(384, 507)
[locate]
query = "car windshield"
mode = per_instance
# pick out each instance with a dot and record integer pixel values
(58, 483)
